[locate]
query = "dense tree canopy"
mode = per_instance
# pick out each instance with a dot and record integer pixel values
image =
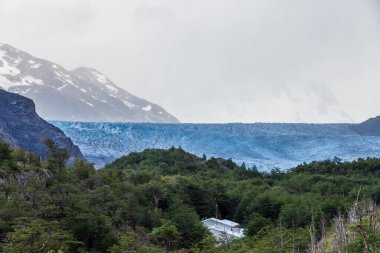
(154, 201)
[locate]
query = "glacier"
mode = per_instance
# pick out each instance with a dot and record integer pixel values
(263, 145)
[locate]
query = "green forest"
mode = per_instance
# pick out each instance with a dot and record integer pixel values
(155, 200)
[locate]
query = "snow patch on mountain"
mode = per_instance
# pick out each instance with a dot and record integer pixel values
(6, 67)
(84, 101)
(29, 80)
(147, 108)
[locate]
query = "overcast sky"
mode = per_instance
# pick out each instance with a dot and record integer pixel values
(217, 60)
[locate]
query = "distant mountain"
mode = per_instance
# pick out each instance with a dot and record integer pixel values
(81, 95)
(370, 127)
(20, 126)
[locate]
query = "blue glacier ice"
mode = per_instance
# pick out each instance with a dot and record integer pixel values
(263, 145)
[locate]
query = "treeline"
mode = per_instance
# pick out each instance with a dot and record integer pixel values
(154, 201)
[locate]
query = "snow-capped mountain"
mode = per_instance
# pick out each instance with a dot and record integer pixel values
(83, 94)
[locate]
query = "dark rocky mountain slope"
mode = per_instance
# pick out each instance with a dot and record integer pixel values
(20, 126)
(370, 127)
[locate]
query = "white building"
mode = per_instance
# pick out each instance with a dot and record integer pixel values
(223, 230)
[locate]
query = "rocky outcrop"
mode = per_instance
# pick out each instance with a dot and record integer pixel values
(20, 126)
(370, 127)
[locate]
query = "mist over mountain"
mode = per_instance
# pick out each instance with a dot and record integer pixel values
(83, 94)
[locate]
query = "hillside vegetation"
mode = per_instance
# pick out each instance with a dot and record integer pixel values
(154, 201)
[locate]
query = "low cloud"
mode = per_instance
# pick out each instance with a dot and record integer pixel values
(217, 60)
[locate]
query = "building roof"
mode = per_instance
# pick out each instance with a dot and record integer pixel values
(223, 229)
(230, 223)
(224, 222)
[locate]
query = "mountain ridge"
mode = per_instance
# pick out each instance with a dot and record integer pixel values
(370, 127)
